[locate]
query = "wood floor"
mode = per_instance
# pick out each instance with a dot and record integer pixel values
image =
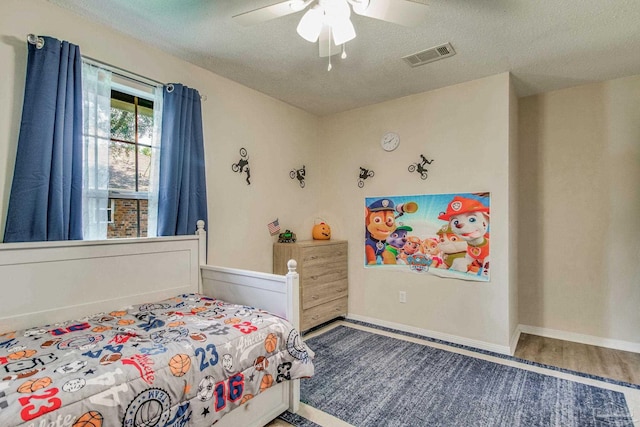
(603, 362)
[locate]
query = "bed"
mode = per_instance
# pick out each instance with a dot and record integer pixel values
(158, 337)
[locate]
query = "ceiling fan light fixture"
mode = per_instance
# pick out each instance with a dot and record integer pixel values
(311, 23)
(342, 31)
(298, 5)
(336, 8)
(359, 6)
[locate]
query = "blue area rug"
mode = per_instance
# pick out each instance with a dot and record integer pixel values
(368, 379)
(297, 420)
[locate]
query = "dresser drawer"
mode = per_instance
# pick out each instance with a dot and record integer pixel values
(315, 256)
(323, 291)
(329, 272)
(323, 313)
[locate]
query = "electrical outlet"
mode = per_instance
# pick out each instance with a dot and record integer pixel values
(402, 296)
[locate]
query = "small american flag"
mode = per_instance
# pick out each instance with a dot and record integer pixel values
(274, 227)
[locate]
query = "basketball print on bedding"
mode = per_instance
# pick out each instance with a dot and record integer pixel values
(179, 365)
(270, 343)
(89, 419)
(150, 408)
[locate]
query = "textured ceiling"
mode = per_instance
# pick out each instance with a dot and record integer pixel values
(545, 44)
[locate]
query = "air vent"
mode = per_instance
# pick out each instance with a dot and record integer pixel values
(430, 55)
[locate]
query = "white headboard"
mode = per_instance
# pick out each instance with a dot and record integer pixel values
(48, 282)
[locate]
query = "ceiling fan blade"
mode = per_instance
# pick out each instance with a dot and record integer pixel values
(403, 12)
(326, 45)
(264, 14)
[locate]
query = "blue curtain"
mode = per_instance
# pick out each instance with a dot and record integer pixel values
(182, 194)
(46, 195)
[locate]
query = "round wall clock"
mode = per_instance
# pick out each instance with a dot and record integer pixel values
(390, 141)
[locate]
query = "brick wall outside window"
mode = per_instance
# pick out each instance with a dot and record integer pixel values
(125, 219)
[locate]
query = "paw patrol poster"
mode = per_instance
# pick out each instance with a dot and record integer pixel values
(442, 234)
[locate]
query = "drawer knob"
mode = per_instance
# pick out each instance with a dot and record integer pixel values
(314, 297)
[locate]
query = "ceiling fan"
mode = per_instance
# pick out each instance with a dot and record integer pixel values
(328, 21)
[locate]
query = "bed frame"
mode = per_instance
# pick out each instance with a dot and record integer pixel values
(50, 282)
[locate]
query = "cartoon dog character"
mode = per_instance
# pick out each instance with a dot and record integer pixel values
(469, 219)
(395, 243)
(380, 222)
(454, 249)
(431, 249)
(412, 246)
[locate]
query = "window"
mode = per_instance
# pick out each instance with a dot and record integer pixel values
(121, 137)
(129, 163)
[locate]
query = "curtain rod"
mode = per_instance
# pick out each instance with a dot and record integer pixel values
(122, 72)
(39, 43)
(131, 75)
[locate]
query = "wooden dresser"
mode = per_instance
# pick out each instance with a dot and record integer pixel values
(322, 265)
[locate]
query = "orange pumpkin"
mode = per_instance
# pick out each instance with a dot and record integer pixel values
(321, 231)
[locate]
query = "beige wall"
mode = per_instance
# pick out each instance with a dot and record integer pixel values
(277, 136)
(565, 193)
(514, 177)
(465, 128)
(579, 208)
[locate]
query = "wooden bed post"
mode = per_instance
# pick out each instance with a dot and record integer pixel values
(202, 250)
(293, 314)
(293, 289)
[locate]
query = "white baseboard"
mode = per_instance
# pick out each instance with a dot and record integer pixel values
(502, 349)
(508, 350)
(514, 341)
(580, 338)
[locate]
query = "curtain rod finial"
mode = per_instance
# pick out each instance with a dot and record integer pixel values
(38, 41)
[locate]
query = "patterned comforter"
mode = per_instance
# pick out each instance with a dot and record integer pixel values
(185, 361)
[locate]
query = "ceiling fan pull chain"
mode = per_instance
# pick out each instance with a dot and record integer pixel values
(344, 51)
(329, 41)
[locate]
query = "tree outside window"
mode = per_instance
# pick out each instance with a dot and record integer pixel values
(129, 164)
